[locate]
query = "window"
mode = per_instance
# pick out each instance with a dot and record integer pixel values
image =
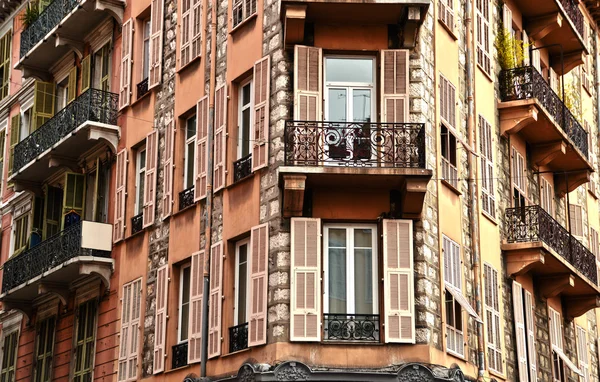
(85, 342)
(447, 102)
(184, 304)
(453, 280)
(21, 233)
(594, 243)
(582, 353)
(3, 131)
(492, 314)
(483, 36)
(242, 10)
(576, 220)
(446, 13)
(146, 49)
(241, 282)
(547, 196)
(487, 168)
(102, 68)
(9, 356)
(525, 333)
(190, 146)
(130, 330)
(244, 119)
(5, 45)
(556, 340)
(140, 177)
(44, 349)
(519, 177)
(449, 163)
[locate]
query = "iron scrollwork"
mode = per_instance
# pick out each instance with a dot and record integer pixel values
(242, 168)
(238, 337)
(142, 88)
(180, 355)
(351, 327)
(186, 198)
(137, 223)
(572, 10)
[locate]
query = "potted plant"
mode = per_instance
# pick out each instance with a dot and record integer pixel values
(30, 14)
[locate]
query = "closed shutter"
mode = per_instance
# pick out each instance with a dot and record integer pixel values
(258, 265)
(446, 13)
(398, 281)
(130, 330)
(126, 54)
(526, 59)
(260, 131)
(488, 203)
(73, 198)
(150, 182)
(520, 331)
(86, 74)
(160, 319)
(447, 101)
(15, 132)
(201, 149)
(535, 60)
(582, 352)
(576, 220)
(72, 87)
(185, 29)
(220, 137)
(168, 168)
(507, 17)
(195, 315)
(452, 266)
(394, 79)
(215, 301)
(492, 313)
(518, 167)
(305, 314)
(43, 104)
(308, 72)
(531, 352)
(196, 28)
(121, 188)
(483, 35)
(556, 337)
(156, 42)
(125, 329)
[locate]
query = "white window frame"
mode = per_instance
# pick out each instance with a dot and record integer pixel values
(187, 159)
(140, 172)
(556, 328)
(547, 196)
(496, 343)
(453, 283)
(241, 109)
(25, 128)
(145, 49)
(583, 359)
(180, 317)
(237, 280)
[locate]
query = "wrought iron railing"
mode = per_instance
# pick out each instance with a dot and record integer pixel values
(92, 105)
(137, 223)
(351, 327)
(179, 355)
(242, 168)
(238, 337)
(142, 88)
(48, 254)
(573, 12)
(186, 198)
(527, 83)
(532, 223)
(353, 144)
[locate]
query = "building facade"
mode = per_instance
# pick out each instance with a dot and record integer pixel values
(299, 190)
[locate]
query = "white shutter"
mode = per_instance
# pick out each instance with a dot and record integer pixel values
(258, 265)
(126, 54)
(150, 178)
(185, 28)
(526, 59)
(492, 308)
(308, 72)
(201, 151)
(156, 42)
(582, 352)
(160, 318)
(168, 168)
(215, 300)
(531, 352)
(220, 144)
(520, 331)
(120, 195)
(262, 97)
(195, 315)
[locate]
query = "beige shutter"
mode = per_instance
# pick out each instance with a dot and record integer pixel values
(398, 281)
(150, 182)
(215, 301)
(86, 73)
(536, 61)
(195, 315)
(520, 331)
(125, 329)
(160, 320)
(121, 192)
(196, 28)
(305, 311)
(308, 74)
(168, 168)
(507, 17)
(201, 151)
(531, 353)
(582, 352)
(130, 330)
(220, 148)
(185, 29)
(15, 137)
(258, 263)
(126, 54)
(526, 61)
(72, 85)
(394, 79)
(260, 131)
(43, 104)
(156, 42)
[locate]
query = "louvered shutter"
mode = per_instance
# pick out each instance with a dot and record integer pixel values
(305, 311)
(220, 148)
(185, 31)
(260, 130)
(535, 60)
(398, 281)
(43, 103)
(507, 17)
(526, 60)
(15, 133)
(121, 192)
(258, 266)
(201, 151)
(195, 315)
(531, 352)
(86, 75)
(72, 85)
(156, 42)
(196, 28)
(520, 331)
(124, 336)
(130, 331)
(582, 352)
(308, 73)
(168, 168)
(394, 79)
(150, 178)
(160, 320)
(215, 301)
(126, 54)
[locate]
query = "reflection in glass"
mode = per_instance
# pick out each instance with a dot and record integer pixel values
(349, 70)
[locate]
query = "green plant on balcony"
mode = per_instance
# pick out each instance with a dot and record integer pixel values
(573, 97)
(30, 14)
(510, 50)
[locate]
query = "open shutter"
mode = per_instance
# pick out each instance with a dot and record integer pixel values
(526, 59)
(507, 17)
(260, 131)
(201, 150)
(15, 132)
(160, 320)
(220, 137)
(121, 185)
(308, 93)
(520, 331)
(150, 182)
(215, 301)
(258, 265)
(73, 199)
(184, 32)
(531, 352)
(43, 103)
(125, 329)
(156, 42)
(394, 78)
(130, 331)
(72, 87)
(168, 168)
(398, 281)
(86, 75)
(126, 54)
(196, 28)
(195, 315)
(305, 315)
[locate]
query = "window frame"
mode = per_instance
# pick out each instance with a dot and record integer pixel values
(140, 173)
(145, 71)
(576, 226)
(49, 353)
(493, 310)
(241, 109)
(188, 159)
(181, 320)
(487, 167)
(26, 231)
(87, 339)
(239, 244)
(246, 9)
(4, 368)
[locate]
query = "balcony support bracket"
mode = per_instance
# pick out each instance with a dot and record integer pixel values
(59, 290)
(103, 271)
(115, 8)
(413, 195)
(520, 262)
(571, 61)
(58, 161)
(293, 195)
(552, 286)
(410, 27)
(295, 16)
(99, 131)
(22, 185)
(547, 152)
(39, 74)
(25, 307)
(76, 45)
(577, 306)
(572, 179)
(517, 116)
(540, 27)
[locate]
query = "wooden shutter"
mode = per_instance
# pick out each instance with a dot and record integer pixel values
(576, 220)
(535, 60)
(72, 87)
(150, 182)
(398, 281)
(156, 42)
(196, 28)
(215, 301)
(452, 266)
(394, 79)
(447, 101)
(582, 352)
(526, 59)
(86, 73)
(507, 17)
(160, 319)
(492, 313)
(126, 54)
(488, 203)
(15, 132)
(220, 148)
(308, 75)
(185, 30)
(73, 196)
(43, 104)
(121, 192)
(201, 151)
(124, 336)
(260, 131)
(258, 264)
(305, 311)
(195, 315)
(168, 168)
(130, 330)
(531, 353)
(520, 331)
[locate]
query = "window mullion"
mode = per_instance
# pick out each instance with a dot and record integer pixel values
(350, 284)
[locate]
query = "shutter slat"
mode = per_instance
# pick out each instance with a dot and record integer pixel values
(156, 42)
(125, 75)
(258, 266)
(168, 168)
(520, 331)
(260, 131)
(160, 320)
(196, 29)
(72, 85)
(150, 178)
(86, 75)
(308, 95)
(220, 148)
(201, 152)
(215, 300)
(121, 185)
(531, 352)
(185, 30)
(195, 311)
(394, 77)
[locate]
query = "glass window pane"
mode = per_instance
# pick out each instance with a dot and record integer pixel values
(337, 238)
(190, 127)
(337, 280)
(349, 70)
(363, 281)
(246, 95)
(362, 238)
(361, 105)
(185, 293)
(191, 147)
(185, 314)
(242, 294)
(245, 132)
(337, 105)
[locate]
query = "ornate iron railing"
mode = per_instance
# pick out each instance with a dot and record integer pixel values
(142, 88)
(137, 223)
(186, 198)
(179, 355)
(573, 12)
(351, 327)
(92, 105)
(527, 83)
(238, 337)
(353, 144)
(532, 223)
(48, 254)
(242, 168)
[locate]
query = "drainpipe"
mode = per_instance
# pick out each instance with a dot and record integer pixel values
(472, 165)
(209, 183)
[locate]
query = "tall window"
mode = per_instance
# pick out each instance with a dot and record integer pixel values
(44, 349)
(453, 282)
(190, 146)
(242, 10)
(21, 233)
(492, 314)
(446, 13)
(488, 203)
(241, 281)
(146, 50)
(582, 353)
(594, 243)
(102, 68)
(547, 196)
(519, 177)
(524, 333)
(9, 357)
(483, 36)
(449, 162)
(130, 330)
(244, 119)
(85, 341)
(184, 303)
(576, 220)
(5, 45)
(556, 340)
(140, 175)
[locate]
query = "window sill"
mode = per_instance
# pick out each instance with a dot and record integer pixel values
(246, 21)
(594, 195)
(139, 100)
(587, 90)
(456, 355)
(177, 369)
(352, 343)
(189, 64)
(235, 353)
(486, 74)
(448, 29)
(138, 233)
(489, 217)
(190, 207)
(451, 187)
(496, 373)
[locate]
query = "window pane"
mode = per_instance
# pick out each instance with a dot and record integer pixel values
(246, 95)
(185, 314)
(363, 281)
(337, 105)
(190, 128)
(245, 132)
(185, 293)
(349, 70)
(337, 280)
(361, 105)
(242, 283)
(189, 177)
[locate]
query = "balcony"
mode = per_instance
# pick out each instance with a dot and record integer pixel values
(81, 250)
(137, 223)
(238, 337)
(530, 107)
(242, 168)
(179, 355)
(60, 27)
(561, 265)
(351, 327)
(142, 88)
(354, 155)
(186, 198)
(72, 132)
